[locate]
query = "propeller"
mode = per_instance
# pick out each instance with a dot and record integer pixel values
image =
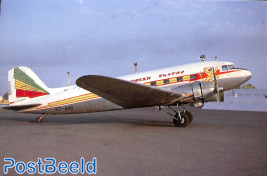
(216, 89)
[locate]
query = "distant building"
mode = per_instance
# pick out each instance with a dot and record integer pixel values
(246, 95)
(242, 100)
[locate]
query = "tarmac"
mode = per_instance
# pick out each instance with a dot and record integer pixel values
(141, 142)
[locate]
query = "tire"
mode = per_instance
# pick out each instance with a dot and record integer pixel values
(190, 116)
(184, 122)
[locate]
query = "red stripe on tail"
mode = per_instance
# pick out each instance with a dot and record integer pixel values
(30, 94)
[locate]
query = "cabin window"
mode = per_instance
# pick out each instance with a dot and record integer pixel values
(153, 83)
(193, 76)
(166, 81)
(179, 79)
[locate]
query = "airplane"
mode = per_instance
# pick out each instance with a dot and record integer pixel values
(185, 85)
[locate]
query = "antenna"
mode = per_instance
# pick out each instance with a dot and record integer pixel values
(203, 57)
(135, 65)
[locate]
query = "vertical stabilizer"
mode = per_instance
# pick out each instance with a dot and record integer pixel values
(24, 85)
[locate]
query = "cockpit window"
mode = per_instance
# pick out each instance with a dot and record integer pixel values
(231, 66)
(224, 68)
(228, 67)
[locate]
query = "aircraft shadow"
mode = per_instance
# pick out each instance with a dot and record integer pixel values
(81, 119)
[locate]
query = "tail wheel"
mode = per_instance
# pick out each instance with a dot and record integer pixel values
(183, 122)
(190, 116)
(38, 120)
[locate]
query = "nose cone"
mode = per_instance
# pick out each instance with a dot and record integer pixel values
(235, 79)
(246, 75)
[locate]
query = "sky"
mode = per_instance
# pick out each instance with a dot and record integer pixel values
(96, 37)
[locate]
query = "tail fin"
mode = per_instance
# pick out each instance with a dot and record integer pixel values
(24, 85)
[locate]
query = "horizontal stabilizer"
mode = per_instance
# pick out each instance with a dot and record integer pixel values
(20, 107)
(127, 94)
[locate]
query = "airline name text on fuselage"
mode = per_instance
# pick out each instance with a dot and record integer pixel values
(171, 74)
(160, 76)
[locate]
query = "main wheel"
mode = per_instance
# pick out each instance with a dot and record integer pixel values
(183, 122)
(190, 116)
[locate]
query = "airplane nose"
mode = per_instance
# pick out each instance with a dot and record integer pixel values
(246, 74)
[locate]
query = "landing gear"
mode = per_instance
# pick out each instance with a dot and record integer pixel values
(40, 119)
(180, 119)
(190, 116)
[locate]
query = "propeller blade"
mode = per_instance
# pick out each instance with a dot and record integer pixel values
(215, 81)
(202, 85)
(214, 75)
(216, 89)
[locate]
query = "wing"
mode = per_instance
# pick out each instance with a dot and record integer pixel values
(127, 94)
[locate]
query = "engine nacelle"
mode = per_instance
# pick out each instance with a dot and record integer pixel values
(197, 93)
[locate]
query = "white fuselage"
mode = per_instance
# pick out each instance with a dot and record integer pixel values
(74, 99)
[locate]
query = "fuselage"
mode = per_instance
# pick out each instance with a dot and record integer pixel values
(74, 99)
